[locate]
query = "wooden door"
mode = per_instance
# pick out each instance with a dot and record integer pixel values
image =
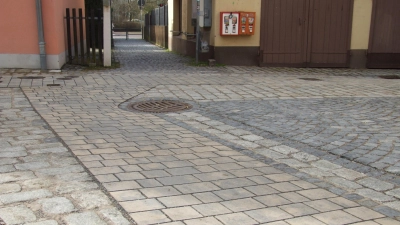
(384, 43)
(301, 33)
(283, 33)
(329, 33)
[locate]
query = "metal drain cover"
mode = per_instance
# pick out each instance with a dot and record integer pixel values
(160, 106)
(310, 79)
(390, 77)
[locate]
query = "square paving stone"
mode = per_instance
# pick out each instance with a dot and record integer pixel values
(306, 220)
(202, 221)
(364, 213)
(315, 194)
(242, 204)
(173, 180)
(182, 171)
(180, 200)
(212, 209)
(294, 197)
(298, 209)
(262, 190)
(149, 217)
(128, 195)
(107, 178)
(281, 177)
(268, 214)
(214, 176)
(285, 187)
(366, 223)
(245, 172)
(177, 164)
(303, 184)
(148, 183)
(141, 205)
(227, 166)
(182, 213)
(323, 205)
(345, 203)
(157, 192)
(387, 221)
(336, 218)
(236, 218)
(207, 197)
(272, 200)
(234, 183)
(130, 176)
(154, 173)
(196, 188)
(234, 193)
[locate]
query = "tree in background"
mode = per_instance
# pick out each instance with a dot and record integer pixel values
(129, 10)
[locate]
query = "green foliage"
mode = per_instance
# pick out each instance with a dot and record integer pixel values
(129, 10)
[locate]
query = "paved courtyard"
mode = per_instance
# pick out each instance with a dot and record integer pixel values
(259, 146)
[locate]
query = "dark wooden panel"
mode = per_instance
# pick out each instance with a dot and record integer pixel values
(283, 32)
(329, 33)
(384, 45)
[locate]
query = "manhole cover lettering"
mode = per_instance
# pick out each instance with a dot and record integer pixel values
(160, 106)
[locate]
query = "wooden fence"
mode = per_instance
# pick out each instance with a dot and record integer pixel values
(84, 37)
(156, 26)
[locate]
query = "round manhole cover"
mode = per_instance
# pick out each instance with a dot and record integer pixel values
(160, 106)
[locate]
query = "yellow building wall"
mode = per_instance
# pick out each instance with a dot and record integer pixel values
(361, 24)
(233, 6)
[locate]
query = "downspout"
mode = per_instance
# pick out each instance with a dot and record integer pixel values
(42, 44)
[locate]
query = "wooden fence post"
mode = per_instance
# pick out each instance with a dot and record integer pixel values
(68, 18)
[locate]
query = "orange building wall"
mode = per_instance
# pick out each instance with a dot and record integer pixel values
(18, 25)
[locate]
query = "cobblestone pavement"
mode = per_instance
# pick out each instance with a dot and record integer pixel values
(260, 146)
(41, 182)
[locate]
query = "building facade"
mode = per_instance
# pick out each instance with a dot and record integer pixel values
(19, 39)
(294, 33)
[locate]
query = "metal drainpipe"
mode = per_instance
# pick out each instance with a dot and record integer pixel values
(42, 44)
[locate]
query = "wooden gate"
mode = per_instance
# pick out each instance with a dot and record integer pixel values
(301, 33)
(89, 29)
(384, 42)
(283, 32)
